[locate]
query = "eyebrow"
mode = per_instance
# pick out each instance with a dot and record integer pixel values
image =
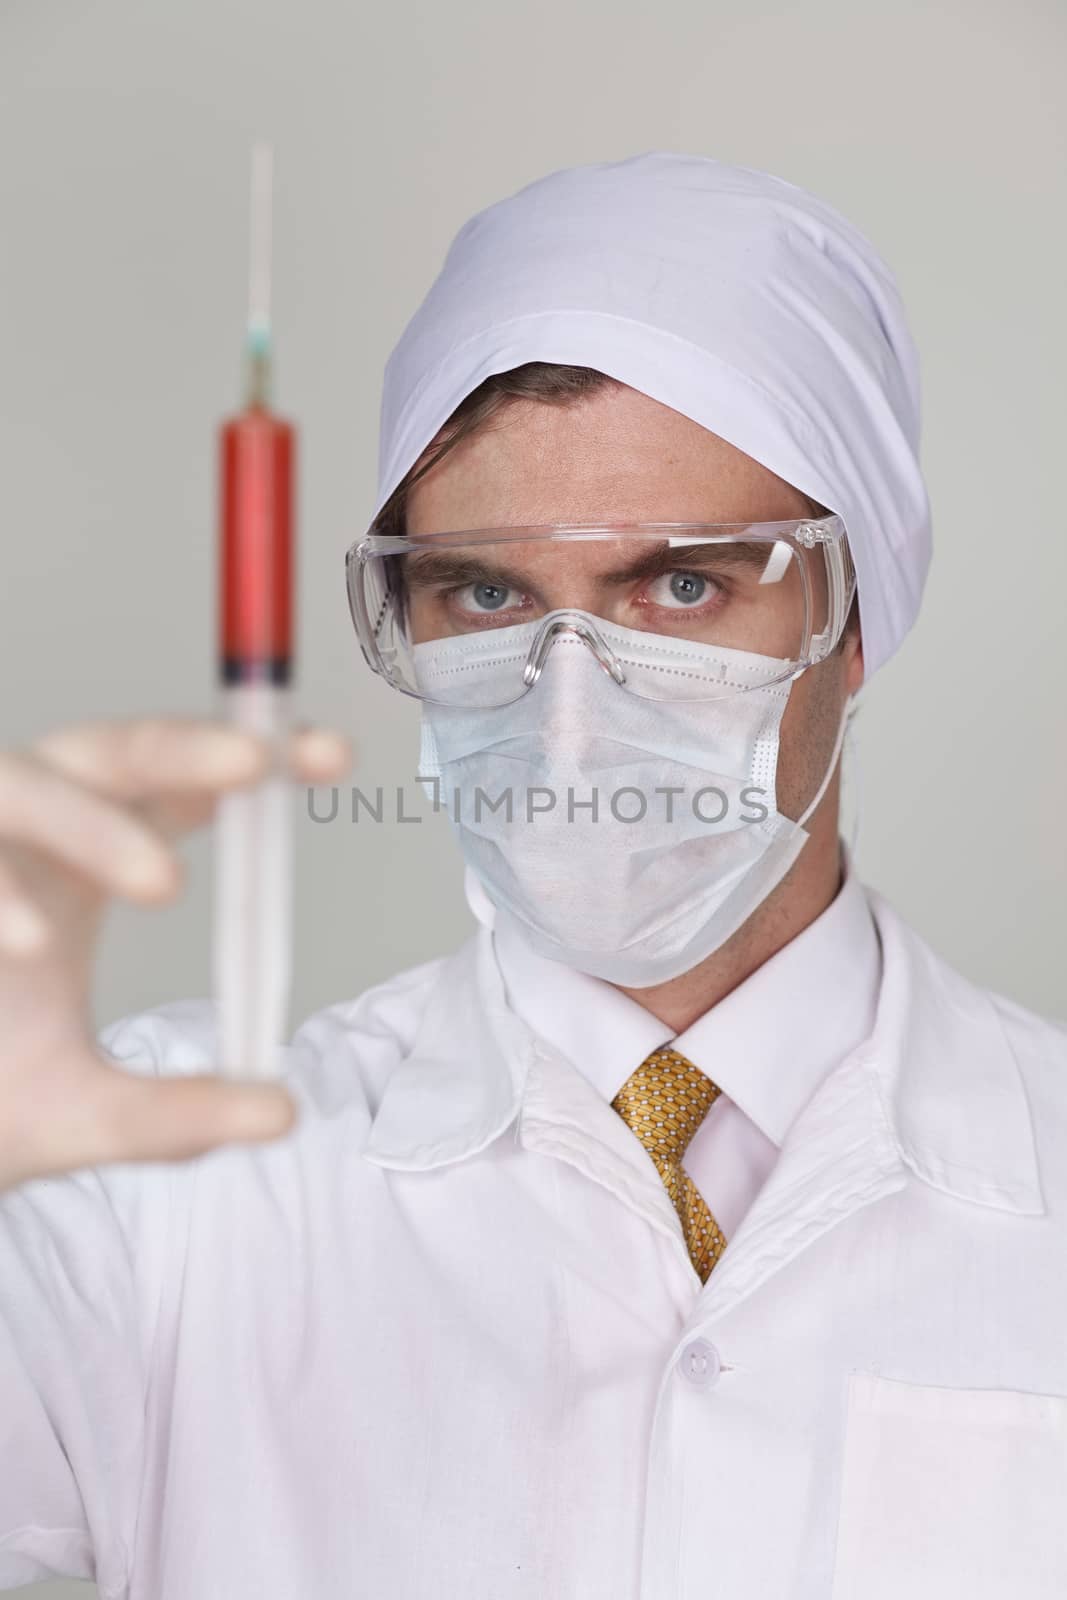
(425, 567)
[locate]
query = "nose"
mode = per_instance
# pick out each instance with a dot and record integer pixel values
(570, 625)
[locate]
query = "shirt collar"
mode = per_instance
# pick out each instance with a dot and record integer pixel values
(937, 1044)
(768, 1044)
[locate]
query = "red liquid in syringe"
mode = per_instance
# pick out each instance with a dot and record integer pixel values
(257, 480)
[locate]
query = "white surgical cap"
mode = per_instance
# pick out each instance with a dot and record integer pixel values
(733, 297)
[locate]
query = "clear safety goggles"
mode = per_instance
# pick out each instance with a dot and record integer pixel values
(749, 605)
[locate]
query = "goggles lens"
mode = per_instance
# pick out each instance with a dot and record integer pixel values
(489, 600)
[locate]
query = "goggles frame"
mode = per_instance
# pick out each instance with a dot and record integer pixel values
(802, 534)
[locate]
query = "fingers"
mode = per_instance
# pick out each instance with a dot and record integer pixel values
(316, 755)
(320, 755)
(23, 930)
(115, 849)
(146, 756)
(80, 1109)
(153, 756)
(58, 797)
(172, 1119)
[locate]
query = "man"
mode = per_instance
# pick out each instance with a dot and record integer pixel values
(693, 1229)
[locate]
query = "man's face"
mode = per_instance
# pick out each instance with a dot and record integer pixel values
(620, 456)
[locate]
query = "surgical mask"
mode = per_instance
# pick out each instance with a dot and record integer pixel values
(626, 837)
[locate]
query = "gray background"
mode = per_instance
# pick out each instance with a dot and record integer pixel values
(124, 135)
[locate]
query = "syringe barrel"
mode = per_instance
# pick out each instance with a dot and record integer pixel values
(257, 471)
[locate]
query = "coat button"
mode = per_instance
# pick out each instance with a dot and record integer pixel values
(699, 1363)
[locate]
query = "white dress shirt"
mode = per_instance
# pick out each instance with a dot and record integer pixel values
(768, 1044)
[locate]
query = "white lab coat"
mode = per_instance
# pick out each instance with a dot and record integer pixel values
(445, 1342)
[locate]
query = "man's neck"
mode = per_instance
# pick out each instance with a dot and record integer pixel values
(809, 886)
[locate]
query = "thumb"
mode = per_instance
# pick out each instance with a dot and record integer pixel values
(173, 1119)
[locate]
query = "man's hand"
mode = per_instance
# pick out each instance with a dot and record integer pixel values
(87, 813)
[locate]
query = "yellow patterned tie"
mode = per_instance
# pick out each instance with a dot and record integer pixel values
(663, 1103)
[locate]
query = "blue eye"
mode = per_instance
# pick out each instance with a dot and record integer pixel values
(482, 598)
(679, 589)
(489, 596)
(687, 588)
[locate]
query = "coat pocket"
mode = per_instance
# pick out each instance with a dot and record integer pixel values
(951, 1494)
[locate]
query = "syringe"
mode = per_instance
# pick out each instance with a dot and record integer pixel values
(253, 827)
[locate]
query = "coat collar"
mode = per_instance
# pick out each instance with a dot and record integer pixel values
(949, 1084)
(952, 1087)
(463, 1080)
